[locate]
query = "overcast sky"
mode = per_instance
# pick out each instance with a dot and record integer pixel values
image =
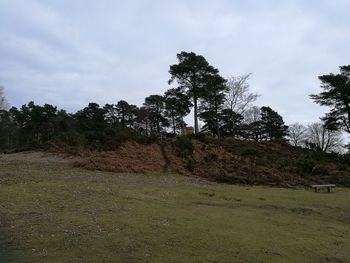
(69, 53)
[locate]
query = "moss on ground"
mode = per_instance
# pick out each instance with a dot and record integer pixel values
(55, 213)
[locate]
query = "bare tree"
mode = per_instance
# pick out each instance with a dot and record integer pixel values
(238, 97)
(252, 124)
(3, 102)
(251, 115)
(297, 134)
(319, 137)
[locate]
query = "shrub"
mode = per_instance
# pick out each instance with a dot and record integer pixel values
(321, 170)
(204, 138)
(211, 157)
(334, 156)
(121, 134)
(184, 145)
(116, 136)
(340, 178)
(190, 165)
(142, 139)
(343, 166)
(345, 159)
(72, 139)
(305, 164)
(249, 151)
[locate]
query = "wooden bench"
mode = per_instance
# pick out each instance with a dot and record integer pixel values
(320, 186)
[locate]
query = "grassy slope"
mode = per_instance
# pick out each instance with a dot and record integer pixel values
(54, 213)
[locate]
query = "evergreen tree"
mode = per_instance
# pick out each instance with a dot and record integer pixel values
(336, 95)
(126, 113)
(8, 131)
(192, 73)
(231, 123)
(37, 124)
(111, 114)
(142, 122)
(212, 103)
(177, 106)
(272, 125)
(156, 106)
(91, 118)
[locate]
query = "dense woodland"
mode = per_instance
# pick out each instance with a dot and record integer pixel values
(225, 106)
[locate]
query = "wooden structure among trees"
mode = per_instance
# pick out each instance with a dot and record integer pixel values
(187, 130)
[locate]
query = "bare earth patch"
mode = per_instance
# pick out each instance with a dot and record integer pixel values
(304, 211)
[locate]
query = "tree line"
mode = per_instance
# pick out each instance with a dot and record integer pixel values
(33, 125)
(223, 105)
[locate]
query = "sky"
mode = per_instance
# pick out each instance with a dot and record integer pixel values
(69, 53)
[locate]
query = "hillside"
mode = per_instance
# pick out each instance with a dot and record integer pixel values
(226, 160)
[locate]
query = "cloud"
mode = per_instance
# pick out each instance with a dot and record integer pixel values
(69, 53)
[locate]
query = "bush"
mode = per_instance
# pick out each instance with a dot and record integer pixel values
(143, 139)
(249, 151)
(211, 157)
(190, 165)
(320, 170)
(184, 145)
(204, 138)
(343, 166)
(305, 164)
(345, 159)
(107, 139)
(120, 134)
(340, 178)
(334, 156)
(72, 139)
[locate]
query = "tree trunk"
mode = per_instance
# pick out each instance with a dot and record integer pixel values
(217, 127)
(217, 122)
(174, 127)
(147, 128)
(195, 115)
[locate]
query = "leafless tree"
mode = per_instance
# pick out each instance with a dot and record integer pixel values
(238, 97)
(297, 134)
(323, 139)
(252, 114)
(3, 102)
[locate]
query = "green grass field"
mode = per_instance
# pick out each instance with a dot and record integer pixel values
(51, 212)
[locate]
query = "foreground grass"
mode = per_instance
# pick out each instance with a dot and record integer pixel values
(54, 213)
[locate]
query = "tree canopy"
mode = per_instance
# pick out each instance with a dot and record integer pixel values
(155, 105)
(224, 106)
(272, 124)
(336, 95)
(193, 73)
(238, 97)
(177, 106)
